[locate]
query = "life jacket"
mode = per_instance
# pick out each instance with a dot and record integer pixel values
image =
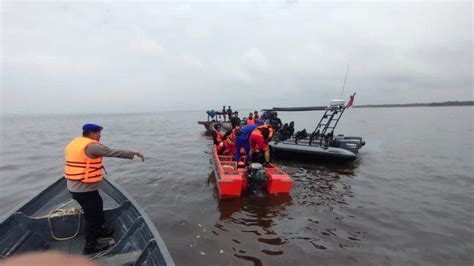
(219, 137)
(79, 167)
(258, 131)
(250, 121)
(231, 138)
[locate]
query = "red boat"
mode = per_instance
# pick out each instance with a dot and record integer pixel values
(231, 180)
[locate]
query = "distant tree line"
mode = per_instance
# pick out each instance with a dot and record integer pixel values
(449, 103)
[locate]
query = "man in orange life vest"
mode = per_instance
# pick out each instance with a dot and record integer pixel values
(83, 172)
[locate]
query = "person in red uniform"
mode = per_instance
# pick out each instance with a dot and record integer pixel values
(228, 146)
(259, 142)
(216, 133)
(83, 173)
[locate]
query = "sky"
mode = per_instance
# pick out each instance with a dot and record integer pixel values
(149, 56)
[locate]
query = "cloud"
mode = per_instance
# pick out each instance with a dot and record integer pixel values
(162, 55)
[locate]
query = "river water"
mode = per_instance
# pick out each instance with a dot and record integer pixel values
(407, 200)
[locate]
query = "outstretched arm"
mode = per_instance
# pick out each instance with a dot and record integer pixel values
(98, 150)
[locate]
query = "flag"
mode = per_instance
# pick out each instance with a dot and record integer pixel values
(351, 101)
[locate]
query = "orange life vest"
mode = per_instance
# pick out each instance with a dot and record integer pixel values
(231, 138)
(79, 167)
(250, 121)
(258, 132)
(219, 137)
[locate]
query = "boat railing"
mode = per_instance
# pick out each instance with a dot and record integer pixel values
(225, 160)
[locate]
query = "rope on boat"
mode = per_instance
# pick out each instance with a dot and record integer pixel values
(104, 252)
(58, 212)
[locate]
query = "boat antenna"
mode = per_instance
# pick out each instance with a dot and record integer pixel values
(345, 78)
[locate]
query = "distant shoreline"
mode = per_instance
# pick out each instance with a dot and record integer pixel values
(440, 104)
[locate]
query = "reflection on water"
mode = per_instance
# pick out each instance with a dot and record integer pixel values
(254, 215)
(321, 185)
(266, 225)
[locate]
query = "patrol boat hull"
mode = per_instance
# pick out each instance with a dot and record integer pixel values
(304, 151)
(31, 228)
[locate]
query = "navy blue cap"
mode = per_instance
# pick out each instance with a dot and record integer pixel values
(91, 127)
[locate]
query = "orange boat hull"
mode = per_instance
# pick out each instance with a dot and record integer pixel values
(231, 181)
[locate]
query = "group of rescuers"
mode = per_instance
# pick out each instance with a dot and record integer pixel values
(253, 135)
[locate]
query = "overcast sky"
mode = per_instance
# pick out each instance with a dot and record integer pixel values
(112, 56)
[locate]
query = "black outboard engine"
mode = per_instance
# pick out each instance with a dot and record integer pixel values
(256, 179)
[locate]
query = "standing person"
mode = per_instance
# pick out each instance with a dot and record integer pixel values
(235, 120)
(224, 113)
(83, 173)
(229, 112)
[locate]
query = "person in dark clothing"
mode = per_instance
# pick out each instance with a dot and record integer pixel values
(229, 112)
(291, 128)
(83, 173)
(235, 120)
(275, 121)
(224, 113)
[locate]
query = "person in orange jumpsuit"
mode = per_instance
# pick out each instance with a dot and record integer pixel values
(259, 142)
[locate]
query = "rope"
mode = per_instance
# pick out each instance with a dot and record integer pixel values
(104, 252)
(58, 212)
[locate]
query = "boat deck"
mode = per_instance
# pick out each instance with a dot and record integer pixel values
(136, 239)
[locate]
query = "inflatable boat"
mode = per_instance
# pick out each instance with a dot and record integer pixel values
(321, 144)
(233, 181)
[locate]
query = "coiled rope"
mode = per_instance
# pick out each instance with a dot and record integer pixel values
(58, 212)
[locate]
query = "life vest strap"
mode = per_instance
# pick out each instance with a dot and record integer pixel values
(83, 173)
(84, 162)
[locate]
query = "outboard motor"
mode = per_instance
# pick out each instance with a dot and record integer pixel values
(256, 179)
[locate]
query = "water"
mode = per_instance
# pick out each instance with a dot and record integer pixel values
(407, 200)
